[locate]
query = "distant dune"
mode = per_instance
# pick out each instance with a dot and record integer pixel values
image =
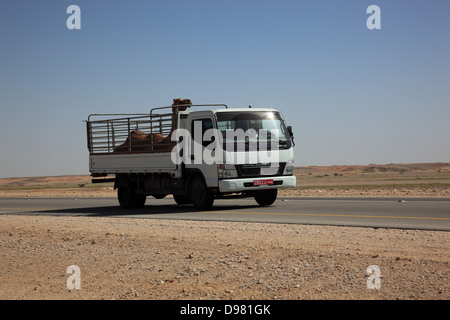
(400, 168)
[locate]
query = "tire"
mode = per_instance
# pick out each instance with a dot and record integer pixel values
(128, 199)
(202, 198)
(266, 197)
(180, 200)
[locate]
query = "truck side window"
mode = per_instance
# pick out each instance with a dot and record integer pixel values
(206, 124)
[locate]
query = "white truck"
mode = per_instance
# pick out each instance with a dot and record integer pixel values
(197, 153)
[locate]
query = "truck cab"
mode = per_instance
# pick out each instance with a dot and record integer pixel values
(206, 155)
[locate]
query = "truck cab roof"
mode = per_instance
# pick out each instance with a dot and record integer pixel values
(231, 110)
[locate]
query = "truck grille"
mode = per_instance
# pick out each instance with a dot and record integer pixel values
(259, 170)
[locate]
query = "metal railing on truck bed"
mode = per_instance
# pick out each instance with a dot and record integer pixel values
(130, 133)
(134, 133)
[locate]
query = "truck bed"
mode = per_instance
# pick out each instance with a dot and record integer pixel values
(132, 163)
(131, 143)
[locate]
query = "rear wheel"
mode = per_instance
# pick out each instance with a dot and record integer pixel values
(127, 196)
(202, 198)
(266, 197)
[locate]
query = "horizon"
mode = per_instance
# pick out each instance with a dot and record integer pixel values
(352, 93)
(308, 166)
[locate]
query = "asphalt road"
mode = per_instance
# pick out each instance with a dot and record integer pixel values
(430, 214)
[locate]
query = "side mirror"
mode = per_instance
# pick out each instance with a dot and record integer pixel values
(289, 129)
(291, 134)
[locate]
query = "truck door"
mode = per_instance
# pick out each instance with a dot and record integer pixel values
(199, 159)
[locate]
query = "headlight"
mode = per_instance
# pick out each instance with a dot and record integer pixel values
(226, 171)
(289, 169)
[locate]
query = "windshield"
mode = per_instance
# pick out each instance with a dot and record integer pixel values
(260, 126)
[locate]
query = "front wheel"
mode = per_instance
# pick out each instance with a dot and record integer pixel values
(127, 196)
(201, 197)
(266, 197)
(180, 200)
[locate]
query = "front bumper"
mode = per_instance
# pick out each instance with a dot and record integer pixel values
(239, 185)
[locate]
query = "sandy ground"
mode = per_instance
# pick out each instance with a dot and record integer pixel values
(121, 258)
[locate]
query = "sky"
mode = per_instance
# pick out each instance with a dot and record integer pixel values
(353, 95)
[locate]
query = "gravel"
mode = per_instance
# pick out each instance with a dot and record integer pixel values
(122, 258)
